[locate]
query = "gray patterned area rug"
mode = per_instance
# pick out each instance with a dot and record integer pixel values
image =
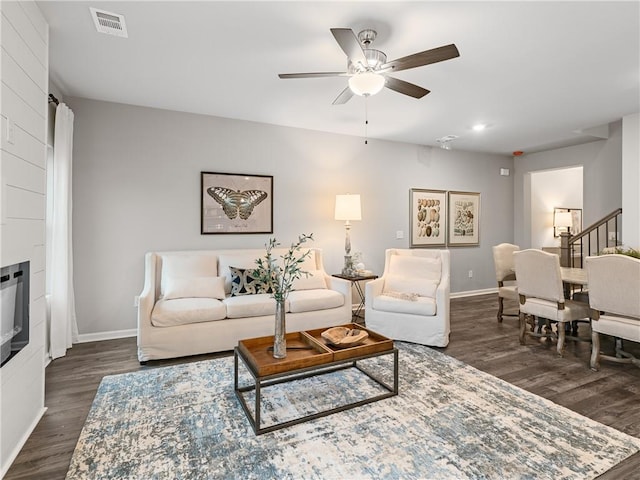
(450, 421)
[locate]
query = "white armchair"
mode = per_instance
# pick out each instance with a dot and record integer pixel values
(614, 297)
(410, 301)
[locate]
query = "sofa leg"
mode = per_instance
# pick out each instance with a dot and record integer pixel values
(143, 362)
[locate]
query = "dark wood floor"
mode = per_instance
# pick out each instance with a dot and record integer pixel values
(610, 396)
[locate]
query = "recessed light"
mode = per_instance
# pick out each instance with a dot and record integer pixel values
(479, 127)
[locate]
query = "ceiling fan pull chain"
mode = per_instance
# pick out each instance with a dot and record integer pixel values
(366, 120)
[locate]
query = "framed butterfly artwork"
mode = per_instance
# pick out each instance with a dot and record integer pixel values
(236, 203)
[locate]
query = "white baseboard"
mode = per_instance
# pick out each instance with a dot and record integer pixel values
(473, 293)
(100, 336)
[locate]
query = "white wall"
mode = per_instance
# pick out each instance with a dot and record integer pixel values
(136, 188)
(25, 64)
(631, 181)
(602, 180)
(550, 189)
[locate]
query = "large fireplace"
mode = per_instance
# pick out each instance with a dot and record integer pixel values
(14, 310)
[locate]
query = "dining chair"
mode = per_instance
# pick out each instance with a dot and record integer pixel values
(506, 276)
(541, 294)
(614, 298)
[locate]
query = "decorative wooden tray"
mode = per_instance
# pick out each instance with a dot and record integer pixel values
(302, 351)
(306, 349)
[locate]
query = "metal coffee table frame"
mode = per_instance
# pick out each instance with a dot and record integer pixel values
(300, 373)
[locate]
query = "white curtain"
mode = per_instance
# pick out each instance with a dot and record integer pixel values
(63, 327)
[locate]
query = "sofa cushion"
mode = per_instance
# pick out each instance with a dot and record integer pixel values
(194, 287)
(421, 305)
(244, 283)
(315, 280)
(256, 305)
(181, 311)
(187, 266)
(318, 299)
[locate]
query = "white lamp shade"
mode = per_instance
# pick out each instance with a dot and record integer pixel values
(562, 219)
(348, 207)
(367, 83)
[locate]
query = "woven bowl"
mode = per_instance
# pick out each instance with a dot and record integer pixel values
(344, 337)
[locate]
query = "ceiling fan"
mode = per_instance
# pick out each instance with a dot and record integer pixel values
(368, 68)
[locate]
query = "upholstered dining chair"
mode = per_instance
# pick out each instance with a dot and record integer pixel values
(614, 297)
(410, 301)
(506, 276)
(541, 294)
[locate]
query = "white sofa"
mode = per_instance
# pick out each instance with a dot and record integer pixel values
(187, 306)
(410, 301)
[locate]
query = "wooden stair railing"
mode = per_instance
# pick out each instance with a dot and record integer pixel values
(591, 240)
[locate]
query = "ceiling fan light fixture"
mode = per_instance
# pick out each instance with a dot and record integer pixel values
(366, 84)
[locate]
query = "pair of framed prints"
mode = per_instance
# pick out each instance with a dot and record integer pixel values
(439, 218)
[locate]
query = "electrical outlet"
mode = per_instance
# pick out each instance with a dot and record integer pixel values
(136, 301)
(470, 273)
(612, 236)
(399, 234)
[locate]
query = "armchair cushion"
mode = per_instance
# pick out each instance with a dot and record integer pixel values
(389, 303)
(195, 287)
(409, 274)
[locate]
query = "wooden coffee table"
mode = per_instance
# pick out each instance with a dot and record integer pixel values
(308, 354)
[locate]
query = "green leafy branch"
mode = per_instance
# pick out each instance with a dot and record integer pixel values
(280, 277)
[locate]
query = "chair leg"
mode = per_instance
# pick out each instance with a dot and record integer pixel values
(595, 351)
(561, 335)
(523, 327)
(500, 308)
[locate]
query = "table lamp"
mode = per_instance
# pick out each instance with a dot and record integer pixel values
(562, 220)
(348, 209)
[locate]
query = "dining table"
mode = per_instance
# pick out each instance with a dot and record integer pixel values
(574, 276)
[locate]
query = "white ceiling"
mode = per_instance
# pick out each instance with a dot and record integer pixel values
(535, 72)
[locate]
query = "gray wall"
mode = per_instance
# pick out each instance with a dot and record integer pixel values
(136, 188)
(602, 179)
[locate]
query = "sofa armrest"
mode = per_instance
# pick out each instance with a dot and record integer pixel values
(372, 289)
(147, 298)
(340, 285)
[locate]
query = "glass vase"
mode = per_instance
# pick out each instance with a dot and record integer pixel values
(279, 340)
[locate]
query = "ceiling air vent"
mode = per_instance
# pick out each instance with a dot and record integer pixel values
(109, 23)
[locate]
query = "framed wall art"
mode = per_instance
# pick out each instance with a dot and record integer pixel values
(235, 203)
(428, 214)
(464, 219)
